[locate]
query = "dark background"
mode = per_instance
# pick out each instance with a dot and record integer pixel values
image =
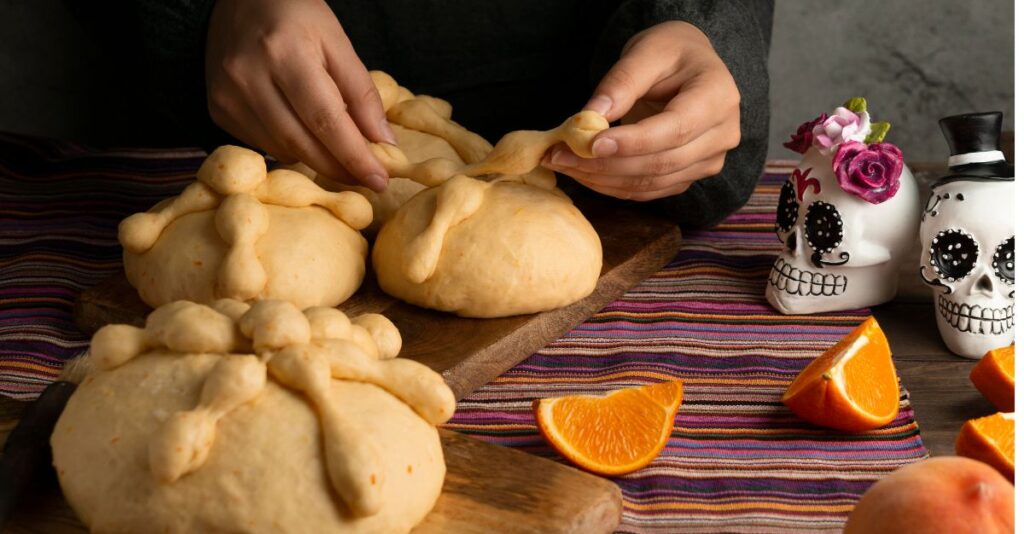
(915, 61)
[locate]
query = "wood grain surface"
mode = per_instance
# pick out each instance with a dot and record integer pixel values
(941, 391)
(467, 352)
(487, 489)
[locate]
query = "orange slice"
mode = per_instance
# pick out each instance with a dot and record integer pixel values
(852, 386)
(990, 440)
(993, 376)
(611, 434)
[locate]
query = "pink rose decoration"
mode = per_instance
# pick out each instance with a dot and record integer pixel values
(844, 125)
(872, 172)
(801, 140)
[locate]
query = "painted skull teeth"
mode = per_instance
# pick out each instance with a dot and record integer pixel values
(976, 319)
(788, 278)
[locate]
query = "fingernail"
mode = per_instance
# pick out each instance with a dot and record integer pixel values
(563, 158)
(376, 182)
(600, 103)
(604, 147)
(389, 134)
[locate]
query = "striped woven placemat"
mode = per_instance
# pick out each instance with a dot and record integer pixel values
(60, 204)
(737, 460)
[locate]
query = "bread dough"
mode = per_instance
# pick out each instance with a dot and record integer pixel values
(240, 232)
(417, 146)
(425, 132)
(488, 249)
(507, 243)
(495, 237)
(516, 157)
(432, 148)
(233, 418)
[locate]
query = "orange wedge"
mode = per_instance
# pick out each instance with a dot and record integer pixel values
(989, 440)
(611, 434)
(852, 386)
(993, 376)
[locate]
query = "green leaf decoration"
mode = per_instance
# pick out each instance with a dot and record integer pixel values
(878, 131)
(857, 104)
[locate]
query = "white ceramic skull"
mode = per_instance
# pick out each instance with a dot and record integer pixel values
(967, 238)
(967, 255)
(841, 252)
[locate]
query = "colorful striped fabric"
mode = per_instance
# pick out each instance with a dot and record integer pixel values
(737, 460)
(59, 208)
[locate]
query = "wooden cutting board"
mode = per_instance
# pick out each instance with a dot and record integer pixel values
(467, 352)
(487, 489)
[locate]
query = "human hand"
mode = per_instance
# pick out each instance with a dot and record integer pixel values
(283, 76)
(680, 112)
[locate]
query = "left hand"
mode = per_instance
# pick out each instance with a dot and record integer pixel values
(680, 110)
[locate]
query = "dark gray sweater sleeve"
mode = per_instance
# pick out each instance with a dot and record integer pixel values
(175, 47)
(740, 31)
(165, 42)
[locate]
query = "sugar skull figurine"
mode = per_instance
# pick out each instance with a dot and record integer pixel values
(845, 217)
(967, 236)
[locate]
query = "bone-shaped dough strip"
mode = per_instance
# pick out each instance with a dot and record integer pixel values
(292, 189)
(140, 231)
(431, 172)
(521, 152)
(180, 326)
(412, 382)
(440, 106)
(241, 220)
(427, 114)
(274, 324)
(327, 323)
(390, 92)
(422, 113)
(353, 465)
(539, 177)
(516, 154)
(183, 442)
(384, 335)
(457, 199)
(232, 169)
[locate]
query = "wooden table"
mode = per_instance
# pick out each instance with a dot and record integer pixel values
(940, 391)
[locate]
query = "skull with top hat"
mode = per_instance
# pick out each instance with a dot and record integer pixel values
(967, 238)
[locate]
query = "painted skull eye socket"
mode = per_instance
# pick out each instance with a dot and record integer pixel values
(954, 253)
(786, 213)
(823, 227)
(1003, 261)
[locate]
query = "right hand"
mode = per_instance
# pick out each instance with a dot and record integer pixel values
(283, 76)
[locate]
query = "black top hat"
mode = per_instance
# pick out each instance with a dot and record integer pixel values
(974, 153)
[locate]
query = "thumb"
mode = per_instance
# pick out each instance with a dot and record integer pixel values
(629, 79)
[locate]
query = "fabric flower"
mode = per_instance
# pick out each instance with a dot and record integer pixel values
(801, 140)
(844, 125)
(872, 172)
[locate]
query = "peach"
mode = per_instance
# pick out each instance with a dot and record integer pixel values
(938, 496)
